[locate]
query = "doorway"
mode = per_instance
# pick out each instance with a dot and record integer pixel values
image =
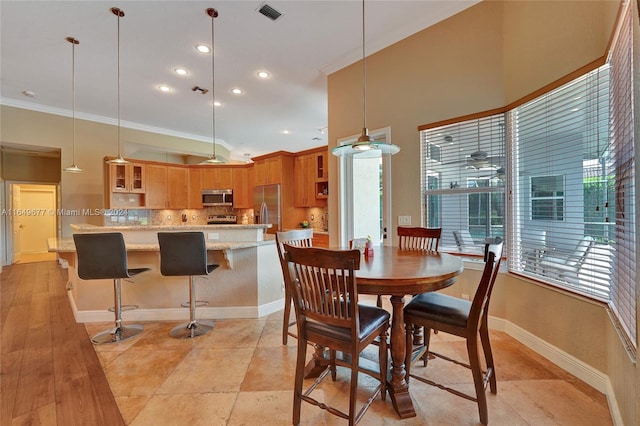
(31, 219)
(365, 193)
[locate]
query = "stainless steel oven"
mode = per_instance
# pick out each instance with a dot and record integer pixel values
(217, 197)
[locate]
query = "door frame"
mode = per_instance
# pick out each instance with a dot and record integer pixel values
(345, 178)
(7, 219)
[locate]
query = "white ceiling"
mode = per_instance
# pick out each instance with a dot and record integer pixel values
(309, 41)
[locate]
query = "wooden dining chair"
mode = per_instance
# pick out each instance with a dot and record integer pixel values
(463, 318)
(419, 238)
(298, 238)
(325, 298)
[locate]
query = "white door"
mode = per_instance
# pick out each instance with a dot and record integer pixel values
(35, 218)
(365, 194)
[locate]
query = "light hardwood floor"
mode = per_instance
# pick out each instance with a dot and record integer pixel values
(239, 374)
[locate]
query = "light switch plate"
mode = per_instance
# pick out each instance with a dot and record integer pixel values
(213, 235)
(404, 220)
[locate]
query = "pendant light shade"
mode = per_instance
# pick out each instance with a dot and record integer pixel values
(364, 142)
(119, 159)
(73, 168)
(213, 159)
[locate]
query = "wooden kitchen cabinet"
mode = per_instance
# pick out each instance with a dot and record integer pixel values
(304, 181)
(242, 191)
(167, 187)
(156, 193)
(322, 167)
(320, 240)
(268, 171)
(217, 177)
(195, 188)
(127, 177)
(311, 186)
(177, 187)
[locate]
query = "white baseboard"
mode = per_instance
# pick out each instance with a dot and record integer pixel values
(178, 314)
(564, 360)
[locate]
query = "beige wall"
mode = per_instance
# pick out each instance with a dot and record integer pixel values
(487, 57)
(94, 141)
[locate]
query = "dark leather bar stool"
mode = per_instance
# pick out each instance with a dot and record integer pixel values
(185, 254)
(104, 256)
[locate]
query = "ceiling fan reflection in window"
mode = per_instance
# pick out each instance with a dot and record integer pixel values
(479, 159)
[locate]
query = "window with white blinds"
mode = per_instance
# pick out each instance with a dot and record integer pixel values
(569, 167)
(463, 169)
(623, 280)
(563, 179)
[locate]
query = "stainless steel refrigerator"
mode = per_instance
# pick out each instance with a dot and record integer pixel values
(266, 206)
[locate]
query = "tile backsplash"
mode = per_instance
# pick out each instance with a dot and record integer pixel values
(171, 217)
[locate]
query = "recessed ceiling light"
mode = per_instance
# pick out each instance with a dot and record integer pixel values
(29, 93)
(216, 103)
(285, 131)
(263, 74)
(237, 91)
(164, 88)
(180, 71)
(203, 48)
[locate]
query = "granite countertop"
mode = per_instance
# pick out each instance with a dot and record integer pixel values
(66, 245)
(85, 227)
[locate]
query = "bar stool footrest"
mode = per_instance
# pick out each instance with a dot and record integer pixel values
(197, 303)
(124, 308)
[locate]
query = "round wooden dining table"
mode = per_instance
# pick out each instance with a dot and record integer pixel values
(397, 273)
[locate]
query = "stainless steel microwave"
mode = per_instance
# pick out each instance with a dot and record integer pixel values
(217, 197)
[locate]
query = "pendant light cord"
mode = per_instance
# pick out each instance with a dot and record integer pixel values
(364, 76)
(118, 14)
(73, 95)
(213, 13)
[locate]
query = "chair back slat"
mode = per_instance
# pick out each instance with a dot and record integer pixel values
(324, 284)
(418, 238)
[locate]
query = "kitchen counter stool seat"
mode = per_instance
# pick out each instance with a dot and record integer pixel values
(185, 254)
(104, 256)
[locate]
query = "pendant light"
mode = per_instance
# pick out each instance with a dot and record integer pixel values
(73, 168)
(364, 142)
(213, 159)
(118, 160)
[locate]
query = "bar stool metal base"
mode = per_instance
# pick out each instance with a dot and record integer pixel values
(117, 334)
(191, 329)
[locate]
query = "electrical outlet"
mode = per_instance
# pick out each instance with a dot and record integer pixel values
(404, 220)
(213, 235)
(168, 217)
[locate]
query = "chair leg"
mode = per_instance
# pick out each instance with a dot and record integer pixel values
(476, 371)
(427, 341)
(119, 332)
(355, 364)
(488, 355)
(297, 390)
(287, 315)
(383, 361)
(379, 301)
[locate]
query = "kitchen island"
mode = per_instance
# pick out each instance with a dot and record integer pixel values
(248, 283)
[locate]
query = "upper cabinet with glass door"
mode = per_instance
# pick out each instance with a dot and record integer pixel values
(127, 178)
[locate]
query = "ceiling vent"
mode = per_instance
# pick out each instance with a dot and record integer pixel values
(269, 12)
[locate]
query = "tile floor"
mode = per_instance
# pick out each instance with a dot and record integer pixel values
(241, 374)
